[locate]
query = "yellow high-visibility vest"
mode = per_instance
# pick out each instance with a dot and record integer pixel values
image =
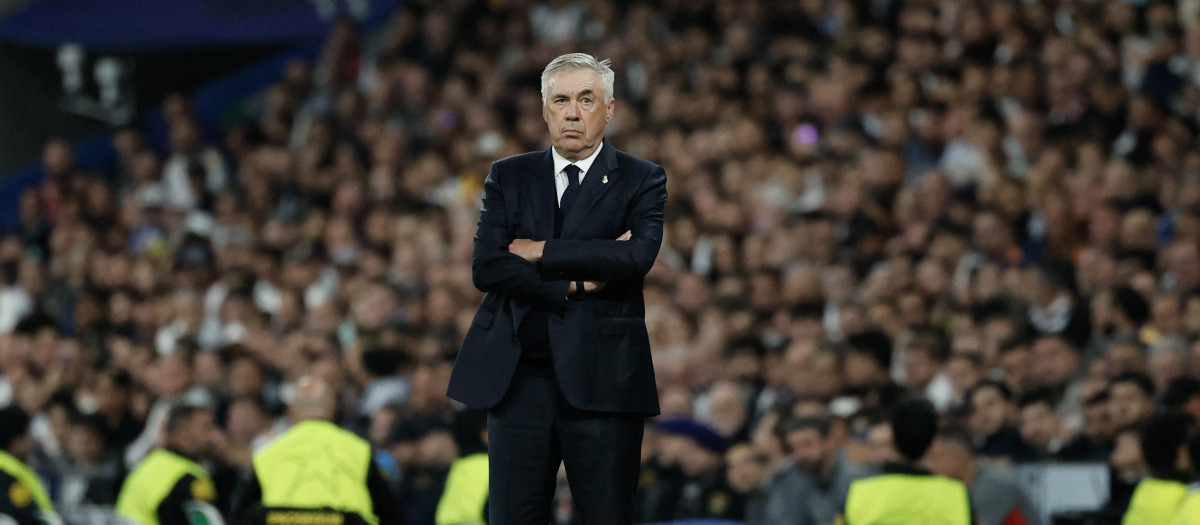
(152, 481)
(1154, 502)
(27, 487)
(466, 492)
(316, 465)
(905, 499)
(1189, 511)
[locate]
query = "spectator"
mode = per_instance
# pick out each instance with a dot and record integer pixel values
(816, 447)
(991, 422)
(705, 492)
(1131, 399)
(996, 495)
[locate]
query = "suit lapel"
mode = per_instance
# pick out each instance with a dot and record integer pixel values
(601, 176)
(543, 197)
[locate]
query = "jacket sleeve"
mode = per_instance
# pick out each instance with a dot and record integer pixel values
(612, 260)
(496, 270)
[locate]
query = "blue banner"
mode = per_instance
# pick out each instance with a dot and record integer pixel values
(140, 25)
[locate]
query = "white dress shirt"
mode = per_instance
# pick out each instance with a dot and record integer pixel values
(561, 163)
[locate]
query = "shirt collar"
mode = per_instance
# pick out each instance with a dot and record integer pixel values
(561, 162)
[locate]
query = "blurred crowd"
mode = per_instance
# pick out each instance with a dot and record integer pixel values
(995, 205)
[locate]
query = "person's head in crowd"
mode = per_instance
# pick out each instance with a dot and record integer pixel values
(1129, 310)
(1163, 441)
(766, 440)
(965, 369)
(821, 374)
(701, 449)
(313, 398)
(1183, 394)
(728, 410)
(1131, 398)
(991, 408)
(172, 374)
(1040, 423)
(914, 424)
(88, 441)
(868, 360)
(577, 103)
(246, 420)
(809, 442)
(924, 358)
(879, 444)
(470, 431)
(952, 454)
(1126, 355)
(1098, 424)
(1167, 361)
(190, 431)
(1016, 365)
(746, 468)
(113, 390)
(1057, 361)
(14, 432)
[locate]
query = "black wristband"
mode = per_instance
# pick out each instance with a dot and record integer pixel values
(580, 291)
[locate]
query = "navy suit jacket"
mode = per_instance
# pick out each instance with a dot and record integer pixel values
(599, 344)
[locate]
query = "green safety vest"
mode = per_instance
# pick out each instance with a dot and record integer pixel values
(316, 465)
(30, 485)
(906, 499)
(466, 492)
(1154, 502)
(152, 481)
(1189, 510)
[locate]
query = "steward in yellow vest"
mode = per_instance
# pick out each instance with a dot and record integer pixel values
(465, 498)
(906, 494)
(22, 496)
(1189, 510)
(168, 487)
(1157, 499)
(316, 473)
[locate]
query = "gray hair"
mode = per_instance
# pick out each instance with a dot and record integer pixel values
(573, 61)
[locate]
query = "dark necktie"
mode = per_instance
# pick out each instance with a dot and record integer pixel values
(572, 191)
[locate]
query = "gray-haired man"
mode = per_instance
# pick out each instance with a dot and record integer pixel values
(558, 352)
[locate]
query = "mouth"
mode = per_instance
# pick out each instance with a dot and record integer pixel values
(572, 132)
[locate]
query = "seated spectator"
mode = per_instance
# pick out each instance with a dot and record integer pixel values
(1042, 428)
(991, 420)
(1131, 399)
(705, 491)
(815, 444)
(92, 472)
(996, 495)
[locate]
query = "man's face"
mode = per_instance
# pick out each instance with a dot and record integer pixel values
(575, 112)
(1129, 404)
(1039, 424)
(199, 435)
(808, 448)
(990, 412)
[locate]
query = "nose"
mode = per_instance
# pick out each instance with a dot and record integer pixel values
(572, 112)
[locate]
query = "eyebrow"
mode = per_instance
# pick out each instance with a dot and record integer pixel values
(583, 93)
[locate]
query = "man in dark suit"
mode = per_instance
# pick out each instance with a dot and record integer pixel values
(558, 352)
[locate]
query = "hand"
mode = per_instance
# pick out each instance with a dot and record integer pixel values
(625, 236)
(526, 249)
(588, 287)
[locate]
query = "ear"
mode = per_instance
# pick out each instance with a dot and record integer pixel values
(612, 106)
(545, 113)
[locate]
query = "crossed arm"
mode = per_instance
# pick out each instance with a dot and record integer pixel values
(502, 264)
